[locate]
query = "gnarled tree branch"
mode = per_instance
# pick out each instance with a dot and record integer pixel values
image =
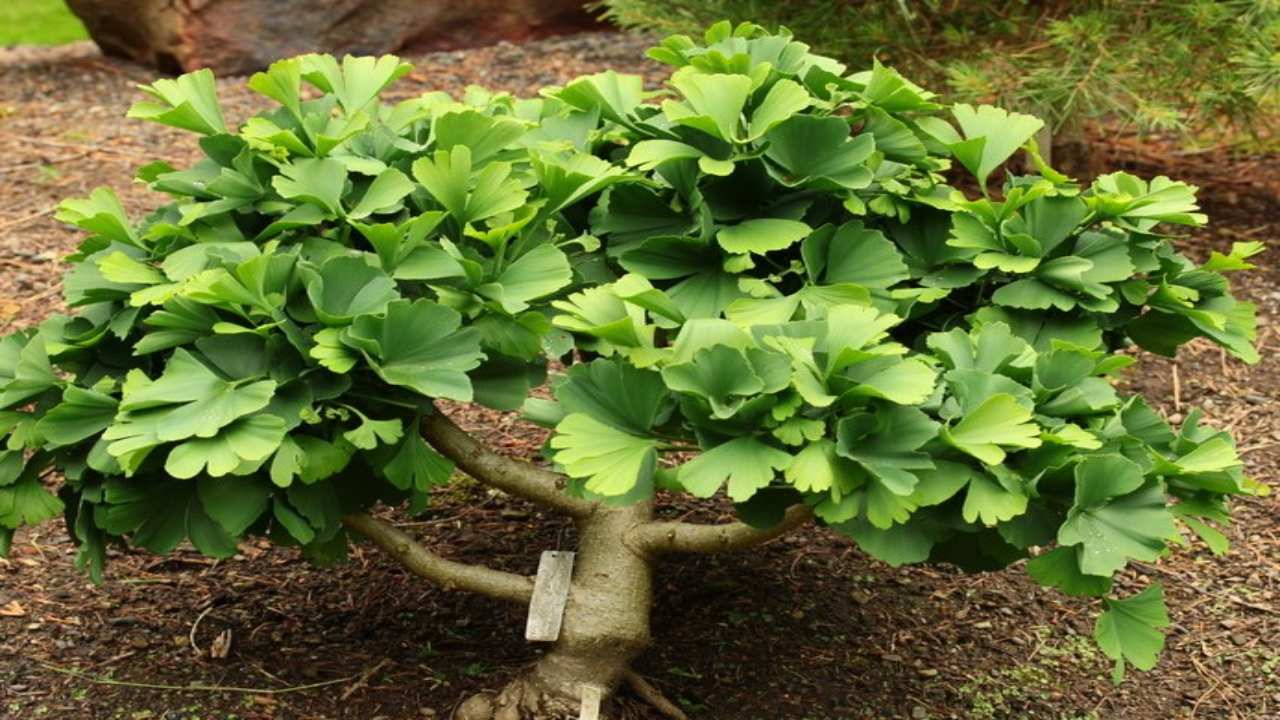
(681, 537)
(517, 477)
(452, 575)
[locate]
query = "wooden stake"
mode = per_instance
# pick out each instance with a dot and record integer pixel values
(592, 696)
(550, 595)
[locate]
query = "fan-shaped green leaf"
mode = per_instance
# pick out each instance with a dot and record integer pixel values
(1129, 630)
(1116, 515)
(348, 287)
(611, 461)
(419, 345)
(746, 463)
(189, 102)
(992, 135)
(762, 235)
(999, 422)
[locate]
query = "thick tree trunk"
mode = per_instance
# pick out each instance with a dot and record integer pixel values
(606, 626)
(606, 618)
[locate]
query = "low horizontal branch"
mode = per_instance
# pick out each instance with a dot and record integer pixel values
(681, 537)
(426, 564)
(517, 477)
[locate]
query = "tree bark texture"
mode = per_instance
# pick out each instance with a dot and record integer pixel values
(240, 36)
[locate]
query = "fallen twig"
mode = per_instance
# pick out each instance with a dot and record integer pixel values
(194, 626)
(27, 218)
(363, 681)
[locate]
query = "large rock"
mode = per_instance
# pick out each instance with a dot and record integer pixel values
(238, 36)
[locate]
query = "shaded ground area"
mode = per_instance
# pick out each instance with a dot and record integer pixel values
(805, 628)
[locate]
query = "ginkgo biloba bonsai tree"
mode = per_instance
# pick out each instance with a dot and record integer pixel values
(755, 281)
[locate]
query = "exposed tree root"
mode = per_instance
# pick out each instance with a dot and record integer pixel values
(526, 699)
(522, 699)
(652, 695)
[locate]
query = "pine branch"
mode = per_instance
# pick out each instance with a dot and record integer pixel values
(516, 477)
(426, 564)
(681, 537)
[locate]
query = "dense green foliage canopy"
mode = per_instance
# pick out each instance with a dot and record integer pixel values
(758, 280)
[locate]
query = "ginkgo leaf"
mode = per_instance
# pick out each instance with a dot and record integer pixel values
(784, 100)
(615, 393)
(419, 345)
(485, 136)
(712, 102)
(318, 181)
(887, 445)
(818, 468)
(992, 135)
(331, 352)
(797, 431)
(762, 235)
(613, 94)
(370, 433)
(469, 195)
(384, 194)
(120, 268)
(1117, 515)
(568, 181)
(746, 463)
(722, 375)
(307, 458)
(649, 154)
(854, 254)
(998, 423)
(281, 82)
(27, 502)
(189, 102)
(898, 544)
(611, 461)
(100, 213)
(26, 372)
(990, 502)
(235, 503)
(1060, 568)
(187, 400)
(1240, 251)
(347, 287)
(818, 151)
(417, 465)
(1143, 204)
(537, 273)
(1129, 630)
(357, 81)
(905, 382)
(238, 445)
(82, 414)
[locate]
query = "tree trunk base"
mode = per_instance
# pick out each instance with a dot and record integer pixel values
(525, 698)
(605, 627)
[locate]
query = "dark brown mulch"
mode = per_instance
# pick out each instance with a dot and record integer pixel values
(805, 628)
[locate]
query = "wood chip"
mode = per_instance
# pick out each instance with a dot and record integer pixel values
(13, 609)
